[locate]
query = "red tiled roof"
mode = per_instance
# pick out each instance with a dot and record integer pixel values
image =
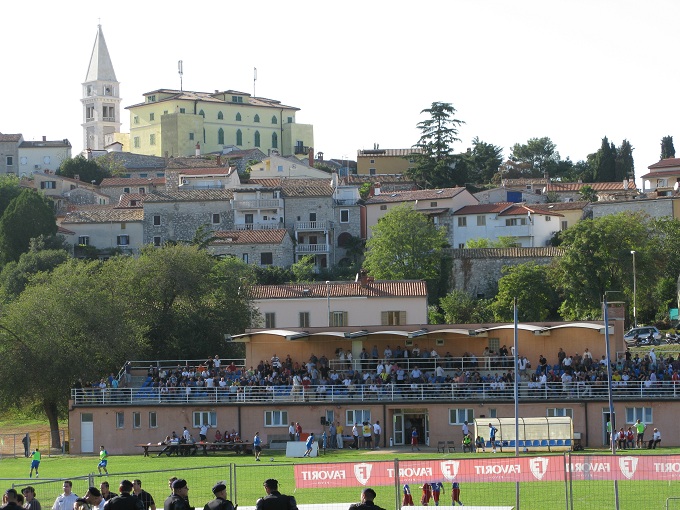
(411, 196)
(132, 181)
(558, 187)
(665, 163)
(275, 236)
(523, 210)
(663, 173)
(104, 214)
(483, 208)
(273, 182)
(561, 206)
(65, 231)
(379, 288)
(10, 138)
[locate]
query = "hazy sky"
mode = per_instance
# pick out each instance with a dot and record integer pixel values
(361, 71)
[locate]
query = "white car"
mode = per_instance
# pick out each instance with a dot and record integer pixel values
(646, 335)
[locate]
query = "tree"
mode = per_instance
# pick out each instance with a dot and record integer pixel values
(603, 162)
(482, 162)
(435, 164)
(529, 283)
(536, 157)
(587, 193)
(458, 307)
(625, 166)
(16, 275)
(9, 190)
(667, 148)
(303, 269)
(27, 216)
(63, 327)
(405, 246)
(501, 242)
(83, 169)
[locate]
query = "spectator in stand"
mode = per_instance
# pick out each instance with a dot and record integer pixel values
(291, 431)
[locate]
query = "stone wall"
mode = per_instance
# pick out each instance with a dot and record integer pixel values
(477, 271)
(180, 220)
(656, 208)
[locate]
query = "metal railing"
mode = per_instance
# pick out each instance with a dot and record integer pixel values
(269, 203)
(414, 391)
(312, 248)
(311, 225)
(259, 226)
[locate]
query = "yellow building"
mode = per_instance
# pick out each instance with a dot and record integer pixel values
(385, 161)
(171, 123)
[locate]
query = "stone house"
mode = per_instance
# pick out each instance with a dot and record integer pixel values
(271, 247)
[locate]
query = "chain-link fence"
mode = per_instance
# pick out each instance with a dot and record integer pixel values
(16, 445)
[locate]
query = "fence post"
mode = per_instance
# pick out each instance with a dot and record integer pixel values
(568, 488)
(397, 485)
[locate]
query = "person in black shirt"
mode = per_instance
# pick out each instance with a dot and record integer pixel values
(220, 502)
(179, 499)
(274, 500)
(145, 497)
(125, 500)
(367, 497)
(10, 500)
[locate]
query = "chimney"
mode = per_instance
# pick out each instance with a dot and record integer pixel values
(363, 277)
(44, 138)
(311, 156)
(625, 184)
(198, 149)
(319, 156)
(376, 189)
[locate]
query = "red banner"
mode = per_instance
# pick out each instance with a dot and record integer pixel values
(500, 469)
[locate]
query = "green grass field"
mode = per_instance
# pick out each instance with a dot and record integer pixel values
(245, 476)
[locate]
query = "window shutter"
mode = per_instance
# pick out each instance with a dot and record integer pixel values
(383, 318)
(344, 319)
(402, 318)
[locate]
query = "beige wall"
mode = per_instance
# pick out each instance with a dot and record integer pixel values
(383, 164)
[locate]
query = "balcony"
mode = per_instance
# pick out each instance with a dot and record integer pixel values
(268, 203)
(301, 149)
(201, 185)
(258, 226)
(311, 226)
(312, 248)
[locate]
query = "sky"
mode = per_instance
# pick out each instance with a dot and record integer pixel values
(362, 71)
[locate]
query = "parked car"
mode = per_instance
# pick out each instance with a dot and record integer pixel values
(647, 335)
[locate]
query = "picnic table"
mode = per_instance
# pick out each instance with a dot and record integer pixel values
(186, 449)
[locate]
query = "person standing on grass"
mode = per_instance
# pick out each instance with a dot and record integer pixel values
(339, 429)
(355, 436)
(377, 430)
(640, 430)
(414, 439)
(26, 441)
(333, 436)
(437, 488)
(31, 502)
(36, 457)
(257, 447)
(492, 437)
(103, 460)
(309, 444)
(367, 433)
(203, 432)
(291, 431)
(144, 497)
(367, 497)
(274, 500)
(408, 498)
(220, 502)
(455, 494)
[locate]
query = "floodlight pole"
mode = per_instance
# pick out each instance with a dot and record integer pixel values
(516, 396)
(634, 291)
(612, 420)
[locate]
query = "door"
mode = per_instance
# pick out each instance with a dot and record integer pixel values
(86, 433)
(398, 428)
(606, 429)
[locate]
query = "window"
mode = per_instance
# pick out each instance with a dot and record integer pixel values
(270, 320)
(123, 240)
(143, 176)
(120, 420)
(644, 414)
(239, 137)
(257, 139)
(353, 416)
(135, 142)
(182, 110)
(373, 162)
(461, 245)
(290, 120)
(220, 136)
(89, 90)
(89, 112)
(274, 119)
(109, 113)
(560, 411)
(383, 207)
(152, 117)
(205, 418)
(153, 420)
(548, 218)
(344, 215)
(126, 190)
(275, 418)
(152, 139)
(136, 420)
(141, 191)
(513, 222)
(156, 220)
(371, 171)
(151, 99)
(220, 116)
(202, 114)
(339, 319)
(191, 136)
(84, 240)
(48, 185)
(238, 117)
(122, 225)
(462, 221)
(135, 119)
(460, 416)
(392, 318)
(245, 258)
(157, 241)
(494, 344)
(481, 220)
(433, 204)
(108, 91)
(304, 319)
(236, 99)
(279, 168)
(256, 118)
(275, 141)
(215, 219)
(266, 258)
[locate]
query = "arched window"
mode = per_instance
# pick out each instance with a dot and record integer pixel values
(203, 135)
(239, 137)
(257, 138)
(344, 239)
(202, 114)
(220, 116)
(238, 117)
(256, 118)
(275, 141)
(220, 136)
(274, 121)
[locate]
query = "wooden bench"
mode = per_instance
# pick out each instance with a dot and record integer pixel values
(186, 449)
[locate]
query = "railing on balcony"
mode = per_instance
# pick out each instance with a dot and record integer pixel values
(416, 391)
(312, 248)
(258, 226)
(311, 225)
(263, 203)
(199, 185)
(301, 149)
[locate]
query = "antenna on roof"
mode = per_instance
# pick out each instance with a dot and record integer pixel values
(254, 80)
(180, 70)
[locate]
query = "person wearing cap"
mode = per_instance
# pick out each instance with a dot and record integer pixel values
(125, 499)
(220, 502)
(31, 502)
(10, 500)
(274, 500)
(65, 500)
(144, 497)
(367, 497)
(94, 498)
(179, 499)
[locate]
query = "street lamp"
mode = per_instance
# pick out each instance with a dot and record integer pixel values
(328, 300)
(634, 291)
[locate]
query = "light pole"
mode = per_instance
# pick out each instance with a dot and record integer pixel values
(328, 300)
(634, 291)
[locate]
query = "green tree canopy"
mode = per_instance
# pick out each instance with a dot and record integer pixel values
(27, 216)
(603, 162)
(405, 245)
(482, 162)
(15, 275)
(625, 166)
(536, 157)
(587, 193)
(459, 307)
(667, 148)
(83, 169)
(536, 300)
